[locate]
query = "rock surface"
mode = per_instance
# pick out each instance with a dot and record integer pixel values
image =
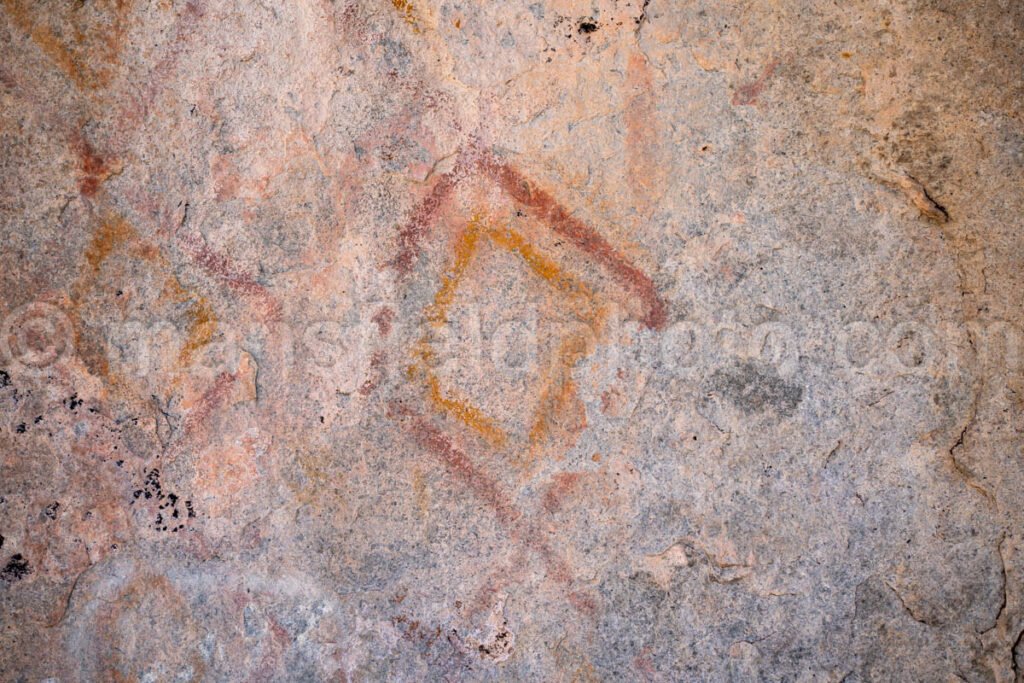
(558, 340)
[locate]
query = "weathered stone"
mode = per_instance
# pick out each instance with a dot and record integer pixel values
(420, 340)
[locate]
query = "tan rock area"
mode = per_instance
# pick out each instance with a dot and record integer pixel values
(541, 340)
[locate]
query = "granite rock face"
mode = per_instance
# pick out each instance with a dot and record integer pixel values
(558, 340)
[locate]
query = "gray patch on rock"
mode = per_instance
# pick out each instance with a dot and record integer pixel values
(754, 388)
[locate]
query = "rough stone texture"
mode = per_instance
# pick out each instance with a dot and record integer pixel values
(553, 340)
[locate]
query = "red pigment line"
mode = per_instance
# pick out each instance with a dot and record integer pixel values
(487, 489)
(748, 93)
(459, 464)
(418, 227)
(209, 400)
(219, 266)
(279, 642)
(377, 365)
(530, 535)
(546, 208)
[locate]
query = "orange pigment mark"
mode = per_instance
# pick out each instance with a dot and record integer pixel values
(44, 38)
(78, 64)
(466, 413)
(201, 326)
(544, 267)
(465, 248)
(558, 397)
(407, 11)
(420, 492)
(437, 314)
(115, 232)
(544, 208)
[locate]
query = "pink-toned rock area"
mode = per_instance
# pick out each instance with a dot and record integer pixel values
(532, 340)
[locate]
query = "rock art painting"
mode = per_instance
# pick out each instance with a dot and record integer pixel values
(432, 340)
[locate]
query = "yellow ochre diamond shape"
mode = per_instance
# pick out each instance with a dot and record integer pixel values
(559, 389)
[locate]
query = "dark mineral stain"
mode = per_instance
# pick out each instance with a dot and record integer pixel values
(51, 510)
(755, 387)
(168, 503)
(5, 379)
(16, 568)
(588, 26)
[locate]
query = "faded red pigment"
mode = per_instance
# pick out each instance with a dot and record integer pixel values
(543, 207)
(219, 266)
(748, 93)
(94, 169)
(547, 209)
(523, 529)
(459, 464)
(383, 319)
(209, 401)
(418, 226)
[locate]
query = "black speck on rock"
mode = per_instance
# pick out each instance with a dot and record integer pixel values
(15, 569)
(5, 379)
(588, 26)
